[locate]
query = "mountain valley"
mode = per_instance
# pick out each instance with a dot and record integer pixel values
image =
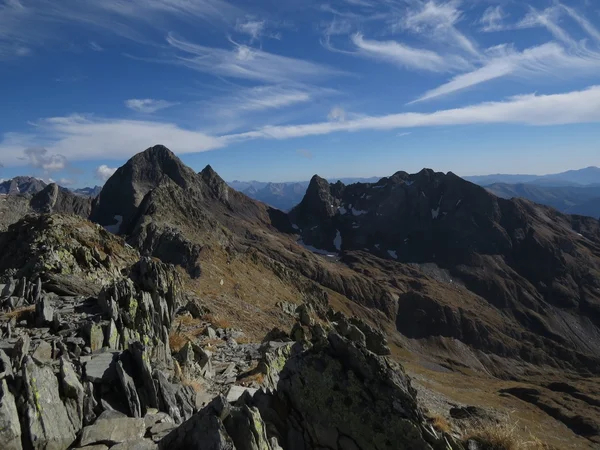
(491, 305)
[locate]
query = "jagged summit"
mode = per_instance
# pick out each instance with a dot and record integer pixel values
(127, 187)
(22, 185)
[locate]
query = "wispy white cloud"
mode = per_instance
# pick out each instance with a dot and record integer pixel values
(337, 114)
(556, 109)
(242, 61)
(120, 139)
(438, 20)
(26, 24)
(103, 172)
(264, 98)
(547, 19)
(148, 105)
(253, 28)
(587, 26)
(96, 47)
(407, 57)
(493, 19)
(546, 60)
(79, 138)
(405, 133)
(41, 158)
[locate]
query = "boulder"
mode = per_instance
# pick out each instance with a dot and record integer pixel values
(94, 335)
(101, 367)
(44, 312)
(124, 370)
(74, 393)
(10, 428)
(140, 444)
(42, 352)
(45, 416)
(113, 431)
(325, 390)
(203, 431)
(235, 392)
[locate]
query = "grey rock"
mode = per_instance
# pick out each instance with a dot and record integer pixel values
(140, 444)
(151, 419)
(113, 431)
(10, 428)
(94, 447)
(89, 403)
(195, 309)
(6, 370)
(355, 335)
(9, 288)
(167, 396)
(124, 369)
(210, 333)
(94, 335)
(21, 350)
(324, 387)
(375, 339)
(112, 338)
(247, 429)
(42, 352)
(74, 393)
(203, 431)
(110, 414)
(186, 401)
(45, 415)
(101, 367)
(305, 312)
(160, 428)
(235, 392)
(44, 312)
(149, 394)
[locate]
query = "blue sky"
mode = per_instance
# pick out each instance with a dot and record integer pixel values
(278, 90)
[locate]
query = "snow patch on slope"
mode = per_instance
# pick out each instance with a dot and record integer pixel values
(337, 242)
(114, 229)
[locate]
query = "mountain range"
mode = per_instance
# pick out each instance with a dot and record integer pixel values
(572, 192)
(489, 303)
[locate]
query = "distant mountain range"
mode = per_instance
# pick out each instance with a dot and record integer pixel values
(581, 177)
(572, 192)
(285, 195)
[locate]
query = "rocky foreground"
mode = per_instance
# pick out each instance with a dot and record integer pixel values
(86, 361)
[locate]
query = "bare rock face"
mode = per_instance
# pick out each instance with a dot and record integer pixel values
(125, 190)
(54, 199)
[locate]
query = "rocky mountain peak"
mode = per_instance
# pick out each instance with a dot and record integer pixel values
(125, 190)
(217, 185)
(22, 185)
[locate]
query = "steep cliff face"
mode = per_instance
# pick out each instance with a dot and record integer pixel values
(125, 190)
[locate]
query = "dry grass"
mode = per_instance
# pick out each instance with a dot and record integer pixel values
(189, 321)
(195, 385)
(440, 423)
(177, 341)
(217, 321)
(19, 313)
(502, 436)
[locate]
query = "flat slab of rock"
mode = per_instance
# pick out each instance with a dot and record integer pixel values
(235, 392)
(45, 414)
(113, 431)
(94, 447)
(101, 367)
(140, 444)
(10, 428)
